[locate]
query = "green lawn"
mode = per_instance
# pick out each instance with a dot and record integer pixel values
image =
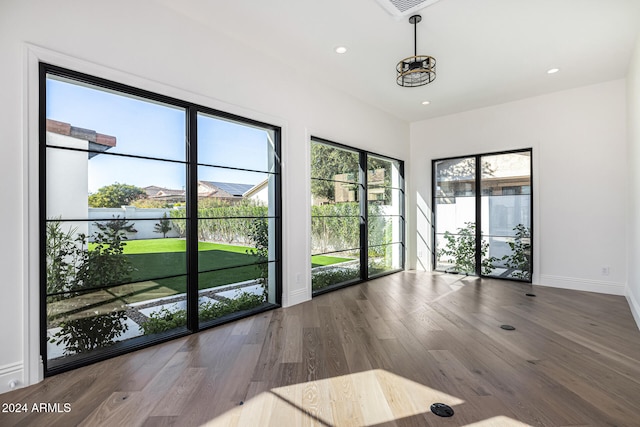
(179, 245)
(322, 260)
(154, 258)
(175, 245)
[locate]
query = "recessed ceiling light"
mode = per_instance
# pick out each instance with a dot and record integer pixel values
(341, 49)
(426, 102)
(553, 70)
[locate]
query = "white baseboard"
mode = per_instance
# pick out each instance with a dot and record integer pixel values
(11, 377)
(577, 284)
(296, 297)
(634, 305)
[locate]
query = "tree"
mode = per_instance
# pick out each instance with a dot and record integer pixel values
(326, 163)
(163, 225)
(461, 169)
(115, 195)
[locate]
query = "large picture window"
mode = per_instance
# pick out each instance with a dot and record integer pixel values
(158, 218)
(493, 190)
(357, 215)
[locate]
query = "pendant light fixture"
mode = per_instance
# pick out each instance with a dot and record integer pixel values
(416, 70)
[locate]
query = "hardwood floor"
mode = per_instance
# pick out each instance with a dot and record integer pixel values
(376, 354)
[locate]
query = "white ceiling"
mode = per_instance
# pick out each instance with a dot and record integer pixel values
(487, 51)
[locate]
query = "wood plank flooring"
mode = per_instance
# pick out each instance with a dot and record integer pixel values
(375, 354)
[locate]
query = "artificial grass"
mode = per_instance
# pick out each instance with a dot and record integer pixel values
(153, 259)
(322, 260)
(230, 268)
(146, 246)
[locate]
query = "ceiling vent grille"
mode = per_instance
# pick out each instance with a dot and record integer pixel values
(400, 8)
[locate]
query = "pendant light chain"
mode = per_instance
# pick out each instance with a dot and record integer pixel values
(415, 37)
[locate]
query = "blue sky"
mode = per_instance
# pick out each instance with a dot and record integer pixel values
(155, 130)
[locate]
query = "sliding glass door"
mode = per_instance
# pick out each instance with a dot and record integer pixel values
(493, 190)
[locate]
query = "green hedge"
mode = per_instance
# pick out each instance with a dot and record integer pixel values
(337, 226)
(230, 228)
(333, 226)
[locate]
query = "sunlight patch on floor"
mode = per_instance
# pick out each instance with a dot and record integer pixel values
(500, 421)
(364, 398)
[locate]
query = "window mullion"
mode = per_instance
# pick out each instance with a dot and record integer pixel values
(478, 190)
(192, 219)
(364, 218)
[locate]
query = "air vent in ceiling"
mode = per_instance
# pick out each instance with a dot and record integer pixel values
(400, 8)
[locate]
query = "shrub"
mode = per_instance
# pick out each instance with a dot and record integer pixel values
(72, 267)
(166, 320)
(520, 257)
(88, 333)
(62, 258)
(180, 225)
(244, 301)
(221, 221)
(461, 250)
(146, 203)
(324, 278)
(259, 235)
(106, 263)
(337, 226)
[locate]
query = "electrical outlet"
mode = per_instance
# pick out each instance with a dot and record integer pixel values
(605, 270)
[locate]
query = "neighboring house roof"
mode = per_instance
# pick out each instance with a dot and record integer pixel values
(226, 190)
(256, 188)
(218, 189)
(98, 142)
(152, 190)
(155, 192)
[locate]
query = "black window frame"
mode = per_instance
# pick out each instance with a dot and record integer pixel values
(363, 201)
(478, 194)
(191, 165)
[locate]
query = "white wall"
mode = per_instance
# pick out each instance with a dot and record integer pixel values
(152, 48)
(579, 178)
(138, 217)
(67, 177)
(633, 126)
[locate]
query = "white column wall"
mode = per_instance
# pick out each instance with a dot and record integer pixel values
(144, 44)
(579, 178)
(633, 195)
(67, 177)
